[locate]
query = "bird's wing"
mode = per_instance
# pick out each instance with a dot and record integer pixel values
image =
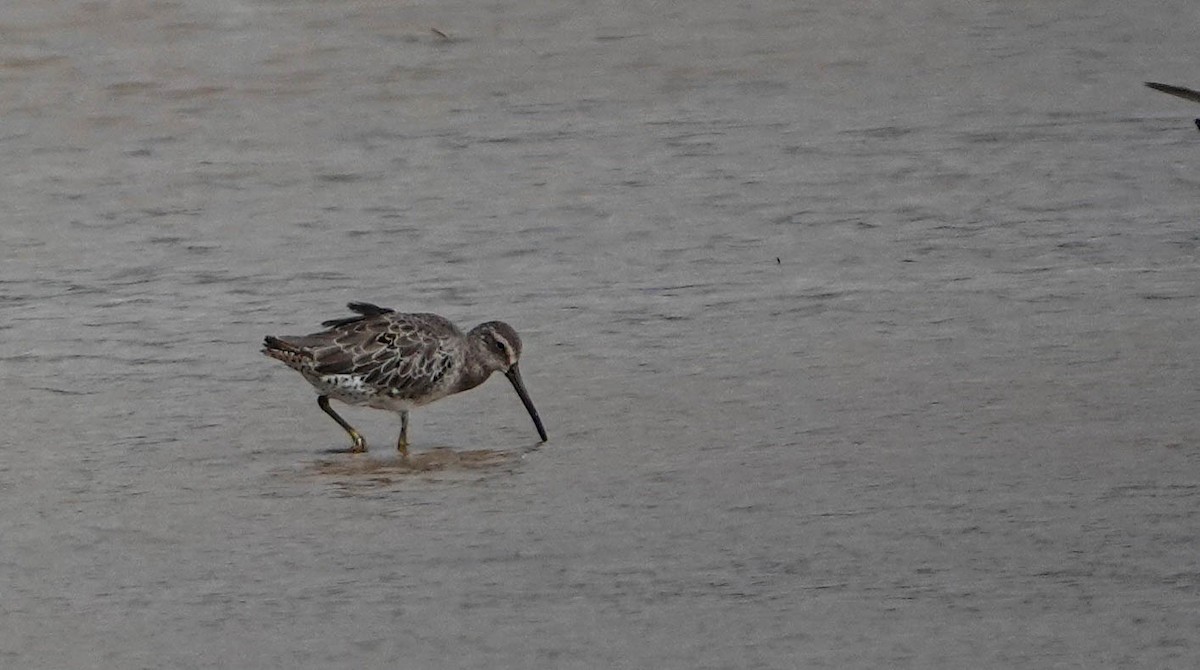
(1177, 91)
(364, 309)
(406, 355)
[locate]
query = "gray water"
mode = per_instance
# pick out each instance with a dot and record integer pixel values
(865, 334)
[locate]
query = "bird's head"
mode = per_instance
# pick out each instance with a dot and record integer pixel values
(501, 345)
(502, 351)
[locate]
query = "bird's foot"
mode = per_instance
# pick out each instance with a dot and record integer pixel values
(358, 444)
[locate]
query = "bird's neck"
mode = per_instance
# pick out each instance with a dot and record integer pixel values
(475, 370)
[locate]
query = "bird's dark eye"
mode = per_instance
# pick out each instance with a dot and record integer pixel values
(499, 346)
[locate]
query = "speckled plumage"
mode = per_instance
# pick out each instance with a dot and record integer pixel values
(394, 361)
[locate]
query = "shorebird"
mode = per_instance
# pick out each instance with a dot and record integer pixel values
(389, 360)
(1178, 92)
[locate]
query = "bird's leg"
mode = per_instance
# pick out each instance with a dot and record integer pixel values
(359, 444)
(402, 443)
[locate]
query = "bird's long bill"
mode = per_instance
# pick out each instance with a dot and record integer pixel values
(514, 376)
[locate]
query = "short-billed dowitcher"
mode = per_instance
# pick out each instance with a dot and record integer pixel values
(388, 360)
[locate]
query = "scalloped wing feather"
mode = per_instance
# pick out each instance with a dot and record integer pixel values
(406, 356)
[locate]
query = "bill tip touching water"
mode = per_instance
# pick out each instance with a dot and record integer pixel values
(1177, 91)
(390, 360)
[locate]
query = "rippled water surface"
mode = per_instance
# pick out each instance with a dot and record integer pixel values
(865, 334)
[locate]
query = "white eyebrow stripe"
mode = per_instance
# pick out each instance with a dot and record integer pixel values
(509, 352)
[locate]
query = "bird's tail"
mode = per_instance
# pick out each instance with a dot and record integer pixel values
(282, 350)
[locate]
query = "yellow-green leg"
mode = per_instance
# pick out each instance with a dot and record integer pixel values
(358, 445)
(402, 443)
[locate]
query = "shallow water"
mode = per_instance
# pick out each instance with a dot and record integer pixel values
(864, 335)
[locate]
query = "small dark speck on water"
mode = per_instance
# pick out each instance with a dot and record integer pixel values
(777, 261)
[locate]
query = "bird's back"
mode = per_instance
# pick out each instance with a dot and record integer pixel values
(380, 357)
